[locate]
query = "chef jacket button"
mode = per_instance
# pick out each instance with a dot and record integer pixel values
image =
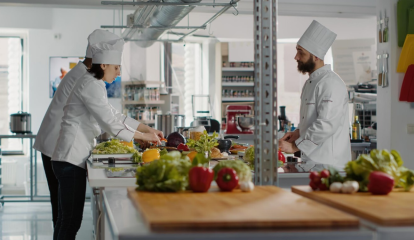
(310, 82)
(303, 117)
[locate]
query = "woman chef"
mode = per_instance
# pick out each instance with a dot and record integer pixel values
(85, 113)
(49, 130)
(323, 132)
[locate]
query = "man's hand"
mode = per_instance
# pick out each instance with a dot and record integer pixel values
(288, 147)
(150, 137)
(291, 136)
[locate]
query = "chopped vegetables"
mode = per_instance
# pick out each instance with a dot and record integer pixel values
(113, 146)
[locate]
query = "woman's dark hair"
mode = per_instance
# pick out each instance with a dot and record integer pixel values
(96, 71)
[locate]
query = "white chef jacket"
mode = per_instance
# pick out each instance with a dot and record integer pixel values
(49, 129)
(87, 111)
(48, 134)
(324, 127)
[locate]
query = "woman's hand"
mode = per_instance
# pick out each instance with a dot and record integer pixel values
(150, 137)
(147, 129)
(157, 132)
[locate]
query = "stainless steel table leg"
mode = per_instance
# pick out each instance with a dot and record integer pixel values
(31, 170)
(99, 223)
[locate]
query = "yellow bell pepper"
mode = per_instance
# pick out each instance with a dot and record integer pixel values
(150, 155)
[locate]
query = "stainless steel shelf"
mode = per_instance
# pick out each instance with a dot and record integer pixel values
(143, 102)
(124, 83)
(237, 84)
(237, 69)
(238, 99)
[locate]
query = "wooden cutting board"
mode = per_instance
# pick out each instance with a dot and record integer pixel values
(395, 209)
(265, 207)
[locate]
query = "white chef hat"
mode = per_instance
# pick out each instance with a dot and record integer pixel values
(317, 39)
(108, 52)
(98, 36)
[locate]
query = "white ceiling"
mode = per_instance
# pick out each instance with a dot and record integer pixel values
(320, 8)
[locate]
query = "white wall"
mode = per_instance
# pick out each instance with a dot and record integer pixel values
(393, 115)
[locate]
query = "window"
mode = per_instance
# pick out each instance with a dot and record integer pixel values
(11, 87)
(187, 77)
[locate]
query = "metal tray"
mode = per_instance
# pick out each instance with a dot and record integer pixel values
(118, 155)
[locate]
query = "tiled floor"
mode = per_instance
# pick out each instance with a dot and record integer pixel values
(33, 221)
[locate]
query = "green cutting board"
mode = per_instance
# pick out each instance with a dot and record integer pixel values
(403, 13)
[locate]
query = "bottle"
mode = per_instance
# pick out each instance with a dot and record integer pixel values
(356, 129)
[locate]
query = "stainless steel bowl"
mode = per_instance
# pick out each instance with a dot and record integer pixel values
(245, 123)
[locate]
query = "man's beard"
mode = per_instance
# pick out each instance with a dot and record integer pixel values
(306, 67)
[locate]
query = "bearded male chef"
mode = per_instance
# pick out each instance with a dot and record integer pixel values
(323, 132)
(48, 134)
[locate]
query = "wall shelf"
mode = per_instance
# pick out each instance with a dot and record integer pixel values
(237, 84)
(124, 83)
(142, 102)
(237, 69)
(238, 99)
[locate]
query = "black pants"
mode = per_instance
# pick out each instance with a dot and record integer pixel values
(52, 182)
(72, 188)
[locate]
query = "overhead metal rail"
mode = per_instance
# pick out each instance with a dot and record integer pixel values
(123, 3)
(226, 6)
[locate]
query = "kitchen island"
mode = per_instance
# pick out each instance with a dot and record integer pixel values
(124, 222)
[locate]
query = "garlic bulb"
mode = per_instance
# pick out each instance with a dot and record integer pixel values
(246, 186)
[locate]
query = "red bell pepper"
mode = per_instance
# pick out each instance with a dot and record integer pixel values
(183, 147)
(200, 178)
(281, 157)
(380, 183)
(227, 179)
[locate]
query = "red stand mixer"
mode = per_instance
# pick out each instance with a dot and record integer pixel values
(239, 119)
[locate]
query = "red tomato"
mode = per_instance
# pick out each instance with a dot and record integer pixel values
(325, 173)
(313, 185)
(313, 175)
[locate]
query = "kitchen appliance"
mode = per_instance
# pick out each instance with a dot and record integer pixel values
(236, 125)
(20, 123)
(168, 123)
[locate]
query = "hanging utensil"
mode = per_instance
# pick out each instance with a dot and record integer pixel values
(385, 31)
(379, 70)
(380, 29)
(385, 70)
